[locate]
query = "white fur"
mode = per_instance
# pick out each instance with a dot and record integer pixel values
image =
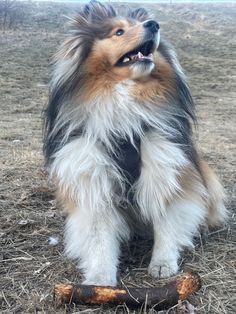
(89, 178)
(119, 115)
(83, 171)
(172, 233)
(94, 238)
(158, 186)
(65, 61)
(94, 228)
(87, 174)
(141, 70)
(162, 162)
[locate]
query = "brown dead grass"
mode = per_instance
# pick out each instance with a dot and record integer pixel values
(204, 36)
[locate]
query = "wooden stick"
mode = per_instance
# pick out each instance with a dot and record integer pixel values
(159, 297)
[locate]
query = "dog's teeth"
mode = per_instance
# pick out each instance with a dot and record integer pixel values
(126, 59)
(140, 55)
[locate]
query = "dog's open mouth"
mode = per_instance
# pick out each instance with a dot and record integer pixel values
(141, 53)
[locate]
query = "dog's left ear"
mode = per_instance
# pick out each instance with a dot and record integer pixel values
(139, 14)
(96, 10)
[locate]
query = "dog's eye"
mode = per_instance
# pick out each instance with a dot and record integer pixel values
(119, 32)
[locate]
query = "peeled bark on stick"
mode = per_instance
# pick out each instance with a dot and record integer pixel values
(159, 297)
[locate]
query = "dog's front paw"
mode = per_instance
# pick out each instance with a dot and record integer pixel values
(163, 269)
(100, 281)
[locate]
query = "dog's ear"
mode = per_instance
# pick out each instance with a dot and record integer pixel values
(139, 14)
(97, 11)
(91, 14)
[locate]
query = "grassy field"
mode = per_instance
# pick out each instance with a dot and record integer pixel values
(204, 37)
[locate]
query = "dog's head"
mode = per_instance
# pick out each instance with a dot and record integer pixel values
(104, 42)
(124, 46)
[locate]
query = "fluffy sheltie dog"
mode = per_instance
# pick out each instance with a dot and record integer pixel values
(119, 146)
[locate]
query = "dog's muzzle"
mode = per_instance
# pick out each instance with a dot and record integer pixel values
(152, 26)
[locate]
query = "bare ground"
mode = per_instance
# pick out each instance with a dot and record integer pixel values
(204, 37)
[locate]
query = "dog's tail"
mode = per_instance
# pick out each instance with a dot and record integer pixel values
(217, 213)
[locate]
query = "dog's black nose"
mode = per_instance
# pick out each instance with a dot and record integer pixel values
(152, 25)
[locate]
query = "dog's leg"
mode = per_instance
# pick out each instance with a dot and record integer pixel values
(197, 205)
(170, 195)
(94, 227)
(172, 233)
(94, 240)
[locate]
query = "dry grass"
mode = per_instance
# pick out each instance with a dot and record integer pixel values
(204, 37)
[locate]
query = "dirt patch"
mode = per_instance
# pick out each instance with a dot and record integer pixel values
(204, 37)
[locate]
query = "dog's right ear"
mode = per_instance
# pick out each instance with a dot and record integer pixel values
(139, 14)
(96, 10)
